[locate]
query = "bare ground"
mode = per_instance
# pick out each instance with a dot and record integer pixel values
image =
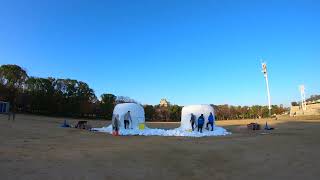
(35, 147)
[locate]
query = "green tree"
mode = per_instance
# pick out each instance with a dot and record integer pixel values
(124, 99)
(12, 76)
(149, 112)
(107, 104)
(12, 79)
(85, 98)
(175, 112)
(40, 92)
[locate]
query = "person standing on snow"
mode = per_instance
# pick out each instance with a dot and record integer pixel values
(210, 121)
(116, 124)
(200, 123)
(192, 121)
(127, 120)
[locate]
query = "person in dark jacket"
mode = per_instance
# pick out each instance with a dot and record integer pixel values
(115, 124)
(210, 121)
(127, 120)
(200, 123)
(192, 121)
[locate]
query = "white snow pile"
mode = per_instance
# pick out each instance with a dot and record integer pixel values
(218, 131)
(137, 114)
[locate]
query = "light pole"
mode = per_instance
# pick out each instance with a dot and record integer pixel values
(265, 73)
(303, 98)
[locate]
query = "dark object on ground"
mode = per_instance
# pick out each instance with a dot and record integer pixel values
(83, 125)
(253, 126)
(266, 127)
(65, 124)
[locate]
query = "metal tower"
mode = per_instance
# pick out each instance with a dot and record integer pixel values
(265, 73)
(303, 97)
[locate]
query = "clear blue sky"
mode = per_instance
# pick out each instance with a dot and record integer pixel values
(189, 51)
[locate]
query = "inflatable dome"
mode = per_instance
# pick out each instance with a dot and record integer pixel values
(197, 110)
(136, 112)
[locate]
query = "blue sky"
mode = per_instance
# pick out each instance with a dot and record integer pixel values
(188, 51)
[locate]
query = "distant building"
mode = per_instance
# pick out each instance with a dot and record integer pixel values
(311, 109)
(164, 103)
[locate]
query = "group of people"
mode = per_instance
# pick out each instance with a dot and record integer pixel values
(200, 122)
(127, 120)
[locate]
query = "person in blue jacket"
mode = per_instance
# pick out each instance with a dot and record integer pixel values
(200, 123)
(210, 121)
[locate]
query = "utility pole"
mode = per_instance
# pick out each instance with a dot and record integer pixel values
(303, 98)
(265, 73)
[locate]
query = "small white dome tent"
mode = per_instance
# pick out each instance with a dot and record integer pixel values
(136, 112)
(197, 110)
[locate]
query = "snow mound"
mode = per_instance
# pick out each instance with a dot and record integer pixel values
(218, 131)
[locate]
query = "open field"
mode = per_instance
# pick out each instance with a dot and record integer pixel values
(35, 147)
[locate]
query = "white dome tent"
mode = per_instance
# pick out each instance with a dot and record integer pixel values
(136, 112)
(197, 110)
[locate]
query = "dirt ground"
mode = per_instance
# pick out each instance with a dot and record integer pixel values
(35, 147)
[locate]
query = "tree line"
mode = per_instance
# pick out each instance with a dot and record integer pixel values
(51, 96)
(312, 99)
(73, 98)
(222, 112)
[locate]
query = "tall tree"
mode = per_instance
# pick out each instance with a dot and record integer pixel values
(12, 78)
(124, 99)
(40, 92)
(175, 112)
(149, 112)
(108, 102)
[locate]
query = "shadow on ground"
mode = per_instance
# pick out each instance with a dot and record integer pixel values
(35, 147)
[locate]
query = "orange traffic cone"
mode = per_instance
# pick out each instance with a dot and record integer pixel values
(115, 133)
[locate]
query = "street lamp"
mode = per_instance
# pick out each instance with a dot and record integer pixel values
(265, 73)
